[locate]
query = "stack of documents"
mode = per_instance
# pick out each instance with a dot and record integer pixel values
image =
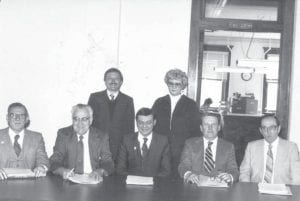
(18, 173)
(138, 180)
(211, 182)
(83, 179)
(276, 189)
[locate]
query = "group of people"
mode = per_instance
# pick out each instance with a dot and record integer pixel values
(173, 140)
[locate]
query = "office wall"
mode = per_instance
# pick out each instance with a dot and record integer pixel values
(53, 53)
(294, 133)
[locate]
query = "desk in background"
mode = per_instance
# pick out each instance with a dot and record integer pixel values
(53, 188)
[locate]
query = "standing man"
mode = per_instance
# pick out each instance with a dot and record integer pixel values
(272, 159)
(20, 147)
(144, 153)
(208, 155)
(113, 110)
(81, 148)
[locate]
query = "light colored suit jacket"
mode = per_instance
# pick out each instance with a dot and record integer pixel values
(192, 158)
(64, 152)
(287, 164)
(32, 154)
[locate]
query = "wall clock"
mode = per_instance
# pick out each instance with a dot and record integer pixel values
(246, 76)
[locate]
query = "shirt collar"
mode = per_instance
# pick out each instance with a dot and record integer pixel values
(84, 135)
(274, 143)
(141, 137)
(214, 141)
(175, 98)
(13, 133)
(114, 93)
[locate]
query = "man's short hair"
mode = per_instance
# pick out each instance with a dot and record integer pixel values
(270, 116)
(144, 111)
(82, 106)
(178, 75)
(210, 114)
(113, 70)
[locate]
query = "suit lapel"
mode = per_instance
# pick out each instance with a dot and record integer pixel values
(219, 153)
(8, 145)
(26, 143)
(136, 147)
(93, 146)
(200, 154)
(72, 149)
(279, 157)
(260, 160)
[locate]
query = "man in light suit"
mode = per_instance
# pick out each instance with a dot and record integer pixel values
(113, 110)
(80, 148)
(208, 155)
(144, 153)
(20, 147)
(272, 159)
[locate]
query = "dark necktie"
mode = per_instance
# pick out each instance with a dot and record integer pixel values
(17, 146)
(112, 97)
(269, 166)
(111, 105)
(209, 163)
(145, 147)
(79, 159)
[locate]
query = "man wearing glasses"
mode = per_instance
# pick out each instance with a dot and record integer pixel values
(272, 159)
(80, 148)
(20, 147)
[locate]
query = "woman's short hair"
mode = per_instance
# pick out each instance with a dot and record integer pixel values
(177, 74)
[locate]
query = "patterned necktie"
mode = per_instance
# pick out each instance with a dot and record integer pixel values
(269, 166)
(209, 162)
(79, 160)
(144, 147)
(17, 146)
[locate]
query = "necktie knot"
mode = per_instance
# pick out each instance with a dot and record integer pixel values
(270, 146)
(210, 143)
(80, 138)
(112, 97)
(145, 140)
(17, 137)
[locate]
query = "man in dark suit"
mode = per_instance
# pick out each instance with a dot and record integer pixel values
(208, 155)
(20, 147)
(81, 148)
(113, 110)
(144, 153)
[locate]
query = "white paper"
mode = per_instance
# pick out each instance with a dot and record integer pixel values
(83, 179)
(18, 173)
(139, 180)
(276, 189)
(211, 182)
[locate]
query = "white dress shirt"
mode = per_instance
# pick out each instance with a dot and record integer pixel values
(141, 140)
(12, 135)
(87, 168)
(274, 152)
(174, 101)
(115, 94)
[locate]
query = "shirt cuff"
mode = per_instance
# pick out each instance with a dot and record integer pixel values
(187, 174)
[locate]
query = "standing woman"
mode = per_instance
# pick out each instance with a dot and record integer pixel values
(177, 116)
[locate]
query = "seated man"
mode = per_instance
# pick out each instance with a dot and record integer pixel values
(208, 155)
(81, 148)
(144, 153)
(20, 147)
(272, 159)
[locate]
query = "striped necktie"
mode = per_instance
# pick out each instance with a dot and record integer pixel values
(145, 147)
(209, 162)
(269, 166)
(79, 169)
(17, 146)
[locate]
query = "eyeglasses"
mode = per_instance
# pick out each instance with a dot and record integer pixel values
(268, 129)
(177, 85)
(83, 119)
(17, 116)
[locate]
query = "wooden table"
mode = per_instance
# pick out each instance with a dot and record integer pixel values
(53, 188)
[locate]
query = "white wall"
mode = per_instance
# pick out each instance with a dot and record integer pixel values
(53, 53)
(294, 132)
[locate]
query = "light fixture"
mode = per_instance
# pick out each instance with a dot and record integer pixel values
(227, 69)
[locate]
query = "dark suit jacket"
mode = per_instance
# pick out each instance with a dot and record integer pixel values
(156, 163)
(64, 151)
(120, 124)
(185, 123)
(192, 158)
(32, 154)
